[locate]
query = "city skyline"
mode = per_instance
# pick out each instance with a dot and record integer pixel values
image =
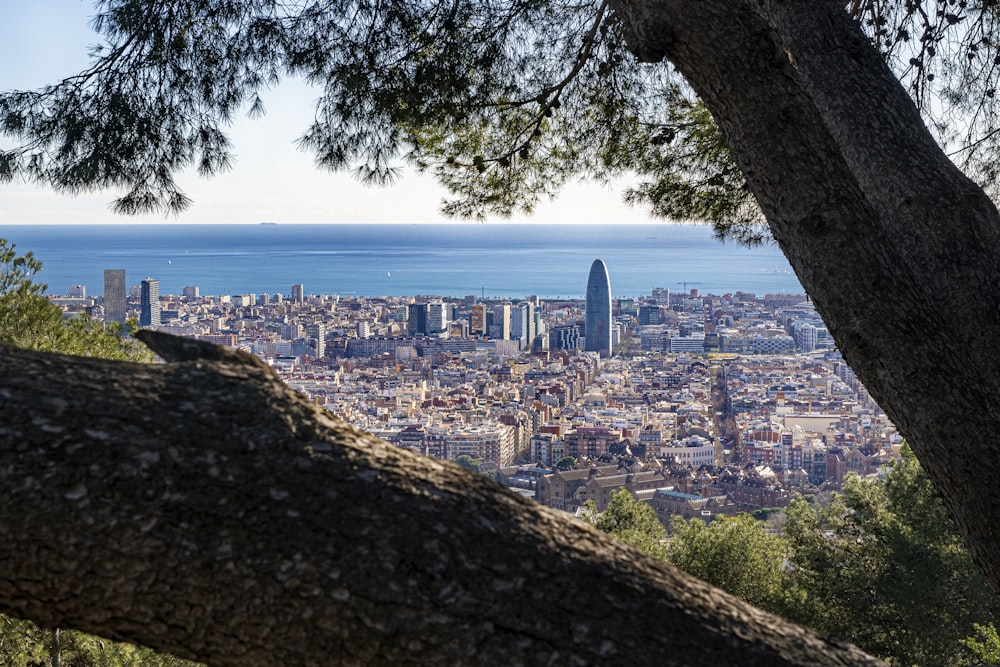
(404, 259)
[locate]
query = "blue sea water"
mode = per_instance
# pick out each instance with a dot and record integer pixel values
(492, 260)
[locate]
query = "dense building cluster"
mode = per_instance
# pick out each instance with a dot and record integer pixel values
(697, 404)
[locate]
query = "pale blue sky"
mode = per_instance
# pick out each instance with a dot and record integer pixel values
(42, 41)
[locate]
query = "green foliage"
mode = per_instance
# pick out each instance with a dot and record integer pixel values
(693, 177)
(737, 554)
(25, 315)
(883, 566)
(635, 522)
(566, 463)
(503, 100)
(468, 462)
(589, 514)
(985, 646)
(24, 644)
(29, 320)
(765, 513)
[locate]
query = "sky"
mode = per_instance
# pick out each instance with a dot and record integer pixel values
(43, 41)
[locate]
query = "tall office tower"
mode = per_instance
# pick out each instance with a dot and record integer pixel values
(522, 323)
(477, 322)
(78, 291)
(416, 319)
(650, 315)
(532, 326)
(191, 292)
(437, 317)
(518, 323)
(149, 303)
(539, 323)
(598, 325)
(501, 321)
(298, 293)
(317, 331)
(115, 307)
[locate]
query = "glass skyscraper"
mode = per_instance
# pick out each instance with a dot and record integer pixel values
(416, 319)
(597, 329)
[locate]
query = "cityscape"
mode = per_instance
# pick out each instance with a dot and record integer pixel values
(562, 396)
(701, 405)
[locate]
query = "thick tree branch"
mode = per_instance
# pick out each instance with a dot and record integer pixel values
(204, 508)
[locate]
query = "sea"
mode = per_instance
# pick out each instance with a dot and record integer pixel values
(448, 260)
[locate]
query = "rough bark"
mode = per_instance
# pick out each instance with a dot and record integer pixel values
(202, 507)
(895, 246)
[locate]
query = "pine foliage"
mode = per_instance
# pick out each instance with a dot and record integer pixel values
(503, 101)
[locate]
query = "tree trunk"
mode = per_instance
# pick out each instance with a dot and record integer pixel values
(55, 653)
(896, 247)
(204, 508)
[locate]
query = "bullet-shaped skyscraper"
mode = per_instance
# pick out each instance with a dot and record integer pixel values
(598, 325)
